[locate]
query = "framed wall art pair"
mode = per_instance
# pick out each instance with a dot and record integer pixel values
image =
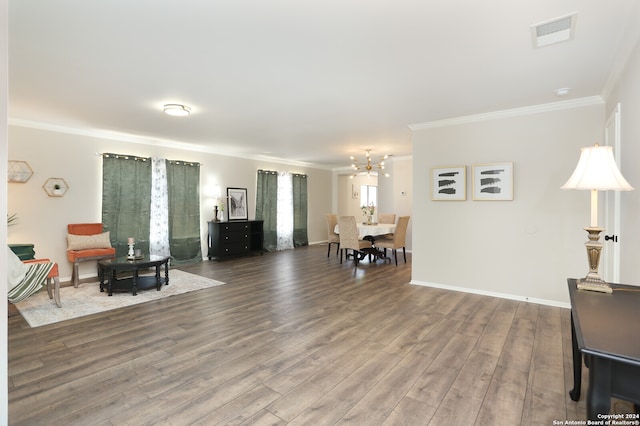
(490, 182)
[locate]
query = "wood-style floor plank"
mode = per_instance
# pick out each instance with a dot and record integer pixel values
(297, 338)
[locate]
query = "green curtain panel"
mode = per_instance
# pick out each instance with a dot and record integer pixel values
(126, 200)
(266, 206)
(183, 188)
(300, 236)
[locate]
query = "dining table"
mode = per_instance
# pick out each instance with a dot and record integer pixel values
(371, 230)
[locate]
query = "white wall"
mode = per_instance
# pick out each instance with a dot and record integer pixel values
(42, 220)
(4, 72)
(396, 192)
(525, 248)
(627, 92)
(347, 205)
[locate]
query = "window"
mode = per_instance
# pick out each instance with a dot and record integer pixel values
(368, 195)
(138, 192)
(281, 203)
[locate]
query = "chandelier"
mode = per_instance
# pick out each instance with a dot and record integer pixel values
(368, 168)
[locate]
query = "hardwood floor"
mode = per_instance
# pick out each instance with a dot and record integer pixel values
(297, 338)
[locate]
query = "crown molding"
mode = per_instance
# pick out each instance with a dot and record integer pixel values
(144, 140)
(516, 112)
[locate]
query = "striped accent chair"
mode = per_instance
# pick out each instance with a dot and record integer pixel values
(25, 278)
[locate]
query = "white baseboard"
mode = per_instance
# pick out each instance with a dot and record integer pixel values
(495, 294)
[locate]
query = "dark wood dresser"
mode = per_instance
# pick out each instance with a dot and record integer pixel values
(237, 238)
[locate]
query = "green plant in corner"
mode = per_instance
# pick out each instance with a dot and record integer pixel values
(12, 219)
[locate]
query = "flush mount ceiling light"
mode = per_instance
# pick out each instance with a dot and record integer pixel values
(176, 110)
(563, 92)
(554, 31)
(368, 168)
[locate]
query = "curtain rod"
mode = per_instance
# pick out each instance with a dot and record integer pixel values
(126, 157)
(273, 172)
(188, 163)
(134, 157)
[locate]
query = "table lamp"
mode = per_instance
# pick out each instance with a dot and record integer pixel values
(217, 193)
(596, 171)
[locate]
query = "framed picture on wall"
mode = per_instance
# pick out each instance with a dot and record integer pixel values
(493, 182)
(237, 204)
(449, 183)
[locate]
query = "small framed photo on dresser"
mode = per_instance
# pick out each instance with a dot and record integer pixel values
(237, 204)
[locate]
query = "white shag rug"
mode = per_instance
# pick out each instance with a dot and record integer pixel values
(87, 299)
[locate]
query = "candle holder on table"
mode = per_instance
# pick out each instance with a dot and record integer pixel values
(131, 254)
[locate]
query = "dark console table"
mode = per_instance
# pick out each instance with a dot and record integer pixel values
(108, 269)
(235, 238)
(604, 332)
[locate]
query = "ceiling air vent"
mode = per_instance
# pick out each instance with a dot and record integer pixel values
(553, 31)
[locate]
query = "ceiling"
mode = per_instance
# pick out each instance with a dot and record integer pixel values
(303, 81)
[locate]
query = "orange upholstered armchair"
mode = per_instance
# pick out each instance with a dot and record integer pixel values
(86, 241)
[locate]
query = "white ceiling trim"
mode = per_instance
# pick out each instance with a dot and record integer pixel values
(167, 143)
(516, 112)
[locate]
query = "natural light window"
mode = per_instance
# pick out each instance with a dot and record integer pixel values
(285, 211)
(368, 195)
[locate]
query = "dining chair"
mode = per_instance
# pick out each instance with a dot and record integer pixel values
(398, 240)
(387, 218)
(349, 239)
(332, 237)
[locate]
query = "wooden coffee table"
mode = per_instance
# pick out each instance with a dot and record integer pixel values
(109, 269)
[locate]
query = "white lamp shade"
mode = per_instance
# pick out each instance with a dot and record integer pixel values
(597, 170)
(217, 192)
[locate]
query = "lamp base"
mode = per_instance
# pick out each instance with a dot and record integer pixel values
(594, 285)
(592, 281)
